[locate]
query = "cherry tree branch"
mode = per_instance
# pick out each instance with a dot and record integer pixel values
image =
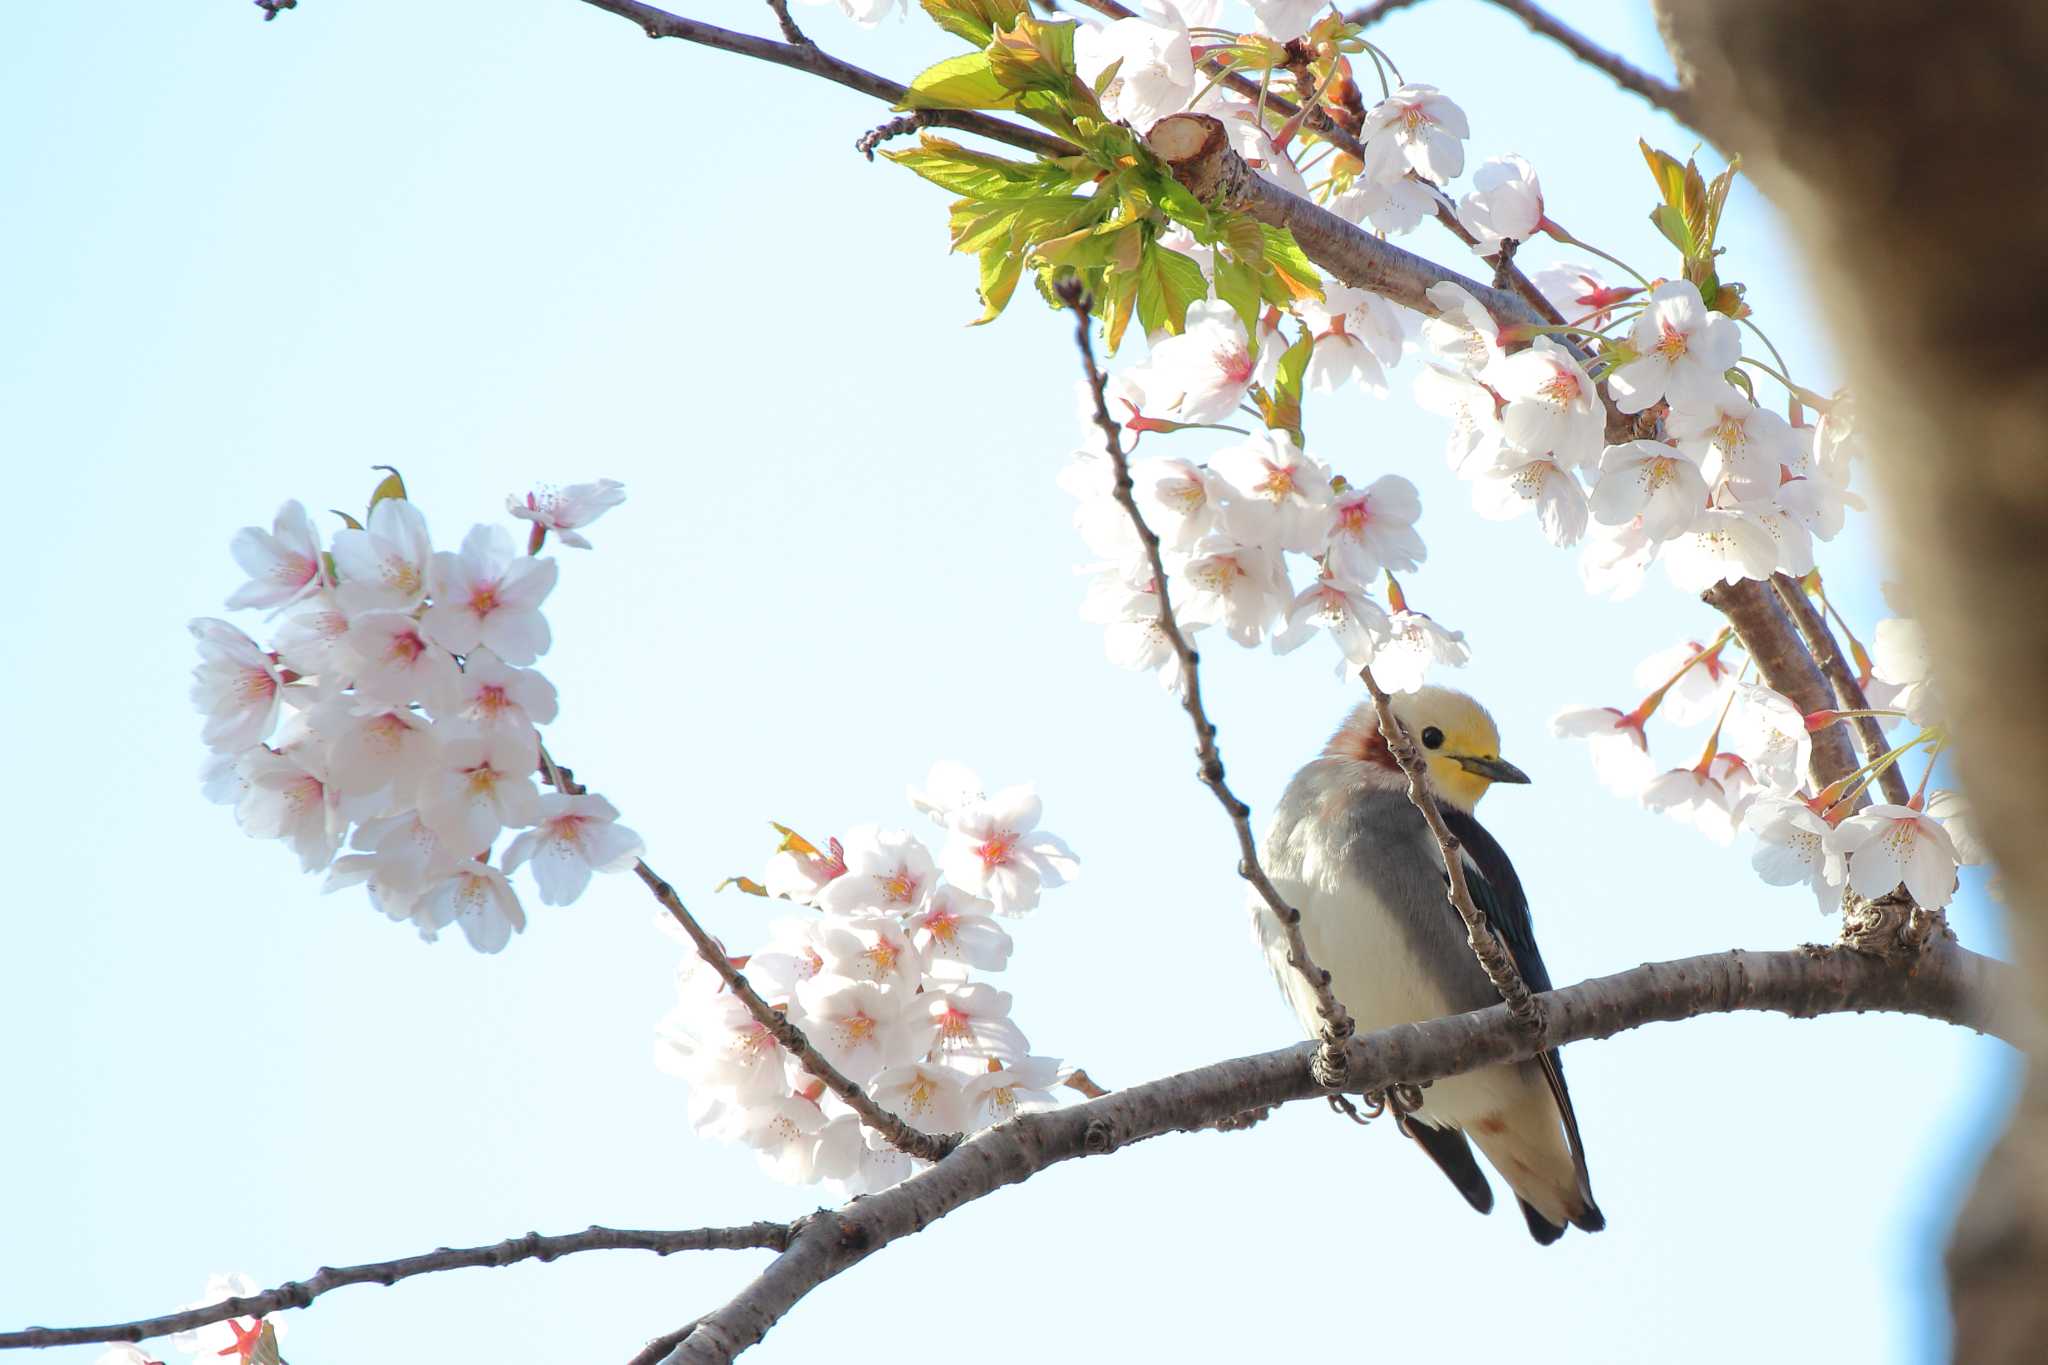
(808, 57)
(1336, 1020)
(1848, 691)
(301, 1293)
(1496, 961)
(898, 1134)
(1948, 983)
(1668, 98)
(1765, 630)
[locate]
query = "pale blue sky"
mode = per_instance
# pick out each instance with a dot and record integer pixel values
(494, 244)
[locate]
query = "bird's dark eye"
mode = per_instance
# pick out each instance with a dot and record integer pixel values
(1432, 738)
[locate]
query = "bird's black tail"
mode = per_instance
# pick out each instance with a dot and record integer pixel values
(1452, 1154)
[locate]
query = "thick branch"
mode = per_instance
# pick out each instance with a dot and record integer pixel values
(808, 56)
(1766, 632)
(1949, 984)
(1498, 964)
(1336, 1021)
(1848, 692)
(300, 1293)
(1616, 68)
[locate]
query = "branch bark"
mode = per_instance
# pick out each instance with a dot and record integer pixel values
(1949, 984)
(1827, 652)
(1766, 632)
(301, 1293)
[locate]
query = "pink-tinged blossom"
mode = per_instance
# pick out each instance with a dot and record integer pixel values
(956, 928)
(1721, 547)
(283, 563)
(383, 567)
(234, 685)
(288, 798)
(1792, 544)
(927, 1097)
(1899, 656)
(995, 850)
(310, 637)
(860, 1028)
(490, 697)
(1615, 560)
(479, 787)
(1416, 643)
(1817, 503)
(396, 903)
(565, 511)
(1952, 809)
(997, 1096)
(575, 836)
(1155, 70)
(1695, 798)
(1372, 529)
(887, 872)
(871, 948)
(973, 1021)
(220, 778)
(1477, 433)
(1837, 441)
(1505, 204)
(784, 1132)
(1133, 638)
(1415, 128)
(408, 854)
(485, 595)
(792, 956)
(1679, 351)
(1792, 848)
(1340, 606)
(1239, 587)
(1463, 335)
(949, 786)
(1891, 845)
(394, 662)
(1276, 496)
(1356, 333)
(1391, 206)
(1552, 406)
(1578, 292)
(798, 874)
(712, 1041)
(1620, 750)
(1735, 442)
(1769, 731)
(375, 750)
(477, 899)
(1179, 500)
(1518, 483)
(1698, 694)
(1201, 375)
(1651, 482)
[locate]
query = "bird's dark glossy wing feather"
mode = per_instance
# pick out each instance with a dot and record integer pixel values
(1452, 1154)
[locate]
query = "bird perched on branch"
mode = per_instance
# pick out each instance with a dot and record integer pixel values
(1351, 852)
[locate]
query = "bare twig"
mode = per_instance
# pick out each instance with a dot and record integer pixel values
(1366, 15)
(1848, 692)
(809, 57)
(1336, 1020)
(300, 1293)
(898, 1134)
(1948, 983)
(659, 1348)
(1495, 960)
(866, 143)
(790, 32)
(1616, 68)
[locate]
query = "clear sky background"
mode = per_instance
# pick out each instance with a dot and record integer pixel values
(496, 244)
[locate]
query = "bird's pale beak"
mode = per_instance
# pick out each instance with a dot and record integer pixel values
(1492, 769)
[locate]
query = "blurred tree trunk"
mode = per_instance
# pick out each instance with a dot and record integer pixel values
(1905, 143)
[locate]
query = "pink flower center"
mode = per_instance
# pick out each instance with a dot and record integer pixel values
(1236, 365)
(995, 850)
(1671, 343)
(943, 926)
(955, 1024)
(1352, 517)
(1562, 388)
(483, 599)
(1278, 483)
(406, 647)
(899, 887)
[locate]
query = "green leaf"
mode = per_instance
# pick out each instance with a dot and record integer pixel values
(1001, 268)
(974, 20)
(1237, 284)
(1106, 75)
(390, 486)
(979, 175)
(1168, 283)
(350, 521)
(963, 82)
(1115, 306)
(1290, 266)
(1033, 54)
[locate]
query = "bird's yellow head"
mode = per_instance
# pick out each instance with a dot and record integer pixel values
(1458, 739)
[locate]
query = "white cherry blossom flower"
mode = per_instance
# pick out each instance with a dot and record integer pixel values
(383, 567)
(1899, 656)
(1356, 333)
(1816, 503)
(1581, 295)
(310, 637)
(1342, 607)
(1734, 441)
(858, 1027)
(220, 778)
(565, 511)
(1518, 482)
(1276, 496)
(1692, 797)
(1700, 691)
(406, 852)
(1620, 750)
(949, 786)
(785, 1133)
(1721, 547)
(479, 787)
(1615, 560)
(1462, 335)
(287, 798)
(1285, 19)
(1155, 71)
(283, 563)
(1239, 587)
(1651, 482)
(1372, 529)
(490, 697)
(484, 595)
(1792, 543)
(1769, 731)
(575, 836)
(928, 1098)
(1392, 206)
(793, 955)
(477, 899)
(234, 685)
(998, 1096)
(1178, 498)
(711, 1040)
(1477, 433)
(1552, 406)
(376, 748)
(1680, 350)
(1415, 128)
(887, 872)
(871, 948)
(956, 928)
(1792, 848)
(1952, 809)
(393, 661)
(1889, 845)
(973, 1021)
(995, 850)
(1505, 204)
(1134, 640)
(1201, 375)
(1414, 644)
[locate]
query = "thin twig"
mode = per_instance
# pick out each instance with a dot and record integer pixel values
(1848, 691)
(866, 143)
(659, 1348)
(1616, 68)
(1496, 961)
(1336, 1020)
(1366, 15)
(300, 1293)
(1788, 668)
(809, 57)
(898, 1134)
(790, 34)
(1947, 983)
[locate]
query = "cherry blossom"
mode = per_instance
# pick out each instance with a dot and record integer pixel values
(1952, 809)
(1356, 332)
(1720, 547)
(1155, 72)
(887, 871)
(1676, 349)
(484, 595)
(476, 898)
(1693, 797)
(283, 563)
(929, 1098)
(287, 798)
(1734, 441)
(1477, 432)
(1792, 848)
(383, 567)
(948, 787)
(1900, 657)
(1201, 375)
(1699, 692)
(1615, 559)
(1340, 606)
(310, 637)
(393, 661)
(1372, 530)
(575, 836)
(1505, 204)
(1276, 495)
(490, 697)
(995, 850)
(1650, 482)
(1414, 643)
(1620, 750)
(1178, 499)
(479, 787)
(1769, 731)
(996, 1097)
(1552, 406)
(785, 1133)
(1889, 845)
(1237, 586)
(374, 748)
(871, 948)
(858, 1027)
(1285, 19)
(222, 1338)
(407, 854)
(565, 511)
(1417, 125)
(1392, 206)
(1581, 295)
(957, 928)
(973, 1021)
(1518, 482)
(1462, 335)
(235, 686)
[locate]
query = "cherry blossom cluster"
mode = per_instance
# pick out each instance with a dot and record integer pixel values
(1752, 773)
(881, 975)
(395, 713)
